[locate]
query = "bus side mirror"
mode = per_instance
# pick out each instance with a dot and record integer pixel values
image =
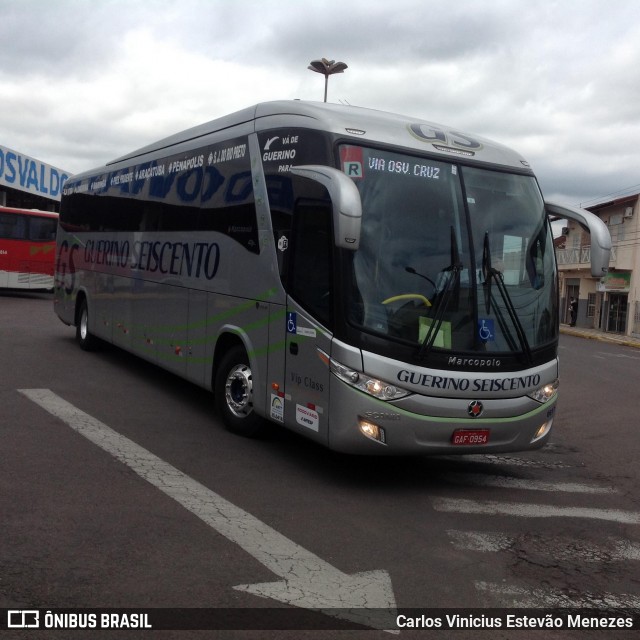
(600, 236)
(345, 198)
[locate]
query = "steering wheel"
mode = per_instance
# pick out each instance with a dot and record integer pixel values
(408, 296)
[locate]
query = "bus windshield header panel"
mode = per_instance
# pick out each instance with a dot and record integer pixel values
(453, 262)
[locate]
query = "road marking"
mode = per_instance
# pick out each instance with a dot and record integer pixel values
(507, 482)
(626, 550)
(560, 548)
(626, 356)
(517, 597)
(480, 541)
(491, 458)
(533, 510)
(308, 581)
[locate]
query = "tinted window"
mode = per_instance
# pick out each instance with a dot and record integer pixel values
(206, 189)
(42, 229)
(310, 270)
(13, 227)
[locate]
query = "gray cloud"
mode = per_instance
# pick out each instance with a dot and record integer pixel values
(82, 82)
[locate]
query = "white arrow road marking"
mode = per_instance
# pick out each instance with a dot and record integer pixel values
(560, 548)
(533, 510)
(307, 580)
(519, 598)
(482, 541)
(507, 482)
(506, 460)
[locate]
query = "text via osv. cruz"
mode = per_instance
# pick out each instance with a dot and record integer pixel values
(406, 168)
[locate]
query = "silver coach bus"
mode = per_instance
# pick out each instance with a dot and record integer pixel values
(377, 283)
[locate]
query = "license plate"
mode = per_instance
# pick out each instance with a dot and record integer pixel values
(470, 436)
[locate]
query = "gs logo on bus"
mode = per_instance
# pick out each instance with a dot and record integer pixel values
(443, 140)
(475, 409)
(65, 273)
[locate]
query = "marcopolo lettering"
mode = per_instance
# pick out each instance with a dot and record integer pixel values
(455, 361)
(488, 385)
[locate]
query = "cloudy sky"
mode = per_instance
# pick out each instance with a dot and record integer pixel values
(85, 81)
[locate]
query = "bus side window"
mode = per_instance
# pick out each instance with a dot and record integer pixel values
(281, 221)
(13, 227)
(311, 282)
(42, 229)
(535, 261)
(281, 199)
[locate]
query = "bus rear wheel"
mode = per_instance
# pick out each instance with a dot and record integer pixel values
(86, 340)
(233, 391)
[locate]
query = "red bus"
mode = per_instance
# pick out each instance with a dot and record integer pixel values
(27, 248)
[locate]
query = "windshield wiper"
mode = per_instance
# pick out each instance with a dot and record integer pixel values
(492, 274)
(443, 299)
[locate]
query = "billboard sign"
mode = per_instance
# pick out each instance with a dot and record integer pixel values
(21, 172)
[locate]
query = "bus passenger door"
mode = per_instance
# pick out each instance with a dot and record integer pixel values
(308, 321)
(306, 376)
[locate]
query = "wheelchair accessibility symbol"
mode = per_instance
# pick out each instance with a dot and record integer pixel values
(292, 322)
(486, 330)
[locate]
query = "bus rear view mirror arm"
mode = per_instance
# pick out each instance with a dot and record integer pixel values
(600, 236)
(345, 198)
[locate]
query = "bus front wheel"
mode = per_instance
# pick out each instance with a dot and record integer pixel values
(234, 394)
(86, 340)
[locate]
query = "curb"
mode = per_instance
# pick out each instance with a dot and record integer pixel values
(601, 337)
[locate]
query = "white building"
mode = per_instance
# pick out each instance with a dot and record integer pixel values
(27, 183)
(611, 303)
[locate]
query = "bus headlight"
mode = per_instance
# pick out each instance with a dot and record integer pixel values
(371, 386)
(545, 427)
(545, 393)
(372, 431)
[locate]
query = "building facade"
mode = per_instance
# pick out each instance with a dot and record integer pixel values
(27, 183)
(611, 303)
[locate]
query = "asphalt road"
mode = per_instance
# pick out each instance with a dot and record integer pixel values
(168, 510)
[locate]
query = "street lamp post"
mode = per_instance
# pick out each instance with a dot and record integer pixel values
(327, 68)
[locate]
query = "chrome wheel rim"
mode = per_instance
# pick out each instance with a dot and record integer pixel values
(84, 324)
(238, 391)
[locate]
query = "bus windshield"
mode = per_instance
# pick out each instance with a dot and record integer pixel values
(451, 257)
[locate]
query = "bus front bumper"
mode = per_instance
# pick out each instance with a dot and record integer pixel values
(422, 425)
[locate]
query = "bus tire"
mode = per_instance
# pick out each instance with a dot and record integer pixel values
(86, 340)
(233, 391)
